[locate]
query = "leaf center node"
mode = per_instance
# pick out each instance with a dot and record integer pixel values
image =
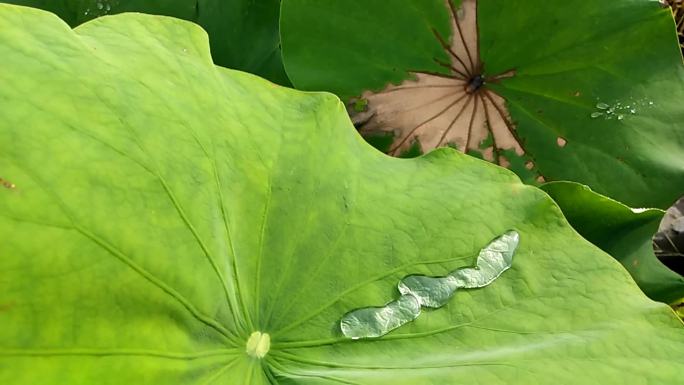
(258, 344)
(475, 83)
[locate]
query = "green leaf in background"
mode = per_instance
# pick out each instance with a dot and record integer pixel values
(573, 90)
(243, 33)
(621, 231)
(168, 221)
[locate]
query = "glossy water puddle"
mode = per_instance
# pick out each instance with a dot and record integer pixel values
(418, 291)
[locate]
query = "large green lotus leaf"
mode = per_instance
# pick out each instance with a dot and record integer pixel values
(623, 232)
(244, 33)
(573, 90)
(157, 211)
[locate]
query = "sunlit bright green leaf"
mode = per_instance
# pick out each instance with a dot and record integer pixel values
(167, 221)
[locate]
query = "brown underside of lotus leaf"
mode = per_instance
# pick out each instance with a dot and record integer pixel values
(453, 108)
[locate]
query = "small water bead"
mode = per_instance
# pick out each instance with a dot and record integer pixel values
(620, 117)
(100, 5)
(602, 106)
(595, 115)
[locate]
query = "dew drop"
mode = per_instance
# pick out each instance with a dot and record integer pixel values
(620, 117)
(632, 111)
(602, 106)
(100, 6)
(595, 115)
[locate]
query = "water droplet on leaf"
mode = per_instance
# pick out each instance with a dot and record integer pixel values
(419, 291)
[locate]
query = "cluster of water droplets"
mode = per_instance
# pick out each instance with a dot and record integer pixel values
(619, 110)
(99, 8)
